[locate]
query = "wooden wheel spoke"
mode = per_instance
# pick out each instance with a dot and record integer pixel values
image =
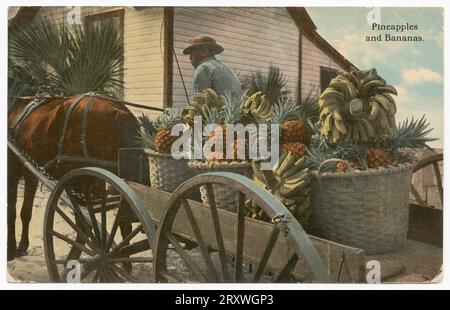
(79, 231)
(111, 276)
(131, 260)
(240, 232)
(416, 195)
(127, 239)
(114, 275)
(212, 272)
(267, 253)
(122, 273)
(112, 235)
(72, 242)
(218, 232)
(79, 215)
(97, 276)
(133, 248)
(85, 273)
(186, 258)
(103, 215)
(94, 223)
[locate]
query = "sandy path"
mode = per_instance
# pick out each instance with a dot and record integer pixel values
(31, 268)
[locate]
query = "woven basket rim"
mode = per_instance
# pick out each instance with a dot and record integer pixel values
(154, 153)
(370, 172)
(216, 164)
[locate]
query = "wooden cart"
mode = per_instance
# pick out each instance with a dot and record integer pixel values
(176, 238)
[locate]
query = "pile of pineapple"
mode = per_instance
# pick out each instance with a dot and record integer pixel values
(352, 119)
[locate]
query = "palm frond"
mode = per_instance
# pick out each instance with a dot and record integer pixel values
(309, 108)
(273, 85)
(146, 133)
(67, 61)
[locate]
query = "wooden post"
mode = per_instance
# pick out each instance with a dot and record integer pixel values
(300, 67)
(168, 56)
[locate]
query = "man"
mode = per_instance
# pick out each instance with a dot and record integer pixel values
(209, 72)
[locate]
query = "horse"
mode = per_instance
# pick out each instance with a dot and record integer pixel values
(62, 134)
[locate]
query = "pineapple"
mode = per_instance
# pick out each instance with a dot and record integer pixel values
(165, 122)
(378, 158)
(292, 129)
(296, 131)
(343, 167)
(229, 114)
(297, 149)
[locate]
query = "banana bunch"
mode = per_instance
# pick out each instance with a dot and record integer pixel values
(289, 182)
(257, 106)
(356, 107)
(334, 104)
(207, 98)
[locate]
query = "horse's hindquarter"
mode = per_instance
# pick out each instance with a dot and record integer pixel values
(37, 134)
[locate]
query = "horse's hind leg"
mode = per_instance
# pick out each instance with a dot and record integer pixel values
(14, 175)
(31, 184)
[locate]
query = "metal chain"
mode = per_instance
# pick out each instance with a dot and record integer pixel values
(41, 169)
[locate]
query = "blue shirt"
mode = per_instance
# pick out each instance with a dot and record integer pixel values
(211, 73)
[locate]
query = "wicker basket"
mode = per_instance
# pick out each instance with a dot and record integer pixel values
(166, 173)
(364, 209)
(225, 197)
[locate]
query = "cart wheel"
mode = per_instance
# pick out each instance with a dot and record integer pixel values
(430, 160)
(221, 254)
(82, 244)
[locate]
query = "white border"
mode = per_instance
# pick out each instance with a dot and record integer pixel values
(357, 3)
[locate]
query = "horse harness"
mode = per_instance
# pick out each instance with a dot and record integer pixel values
(61, 157)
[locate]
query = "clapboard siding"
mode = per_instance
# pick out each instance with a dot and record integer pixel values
(253, 38)
(312, 59)
(143, 54)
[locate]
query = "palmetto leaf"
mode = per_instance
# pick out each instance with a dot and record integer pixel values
(271, 85)
(67, 61)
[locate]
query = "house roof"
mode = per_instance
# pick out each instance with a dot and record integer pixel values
(298, 14)
(308, 29)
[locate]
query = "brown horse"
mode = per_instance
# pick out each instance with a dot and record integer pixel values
(105, 123)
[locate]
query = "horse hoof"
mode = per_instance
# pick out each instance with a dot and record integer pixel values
(11, 255)
(21, 252)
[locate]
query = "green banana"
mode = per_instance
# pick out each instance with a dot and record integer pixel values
(355, 134)
(327, 110)
(340, 126)
(369, 128)
(328, 124)
(385, 103)
(287, 162)
(336, 115)
(362, 132)
(375, 110)
(334, 134)
(387, 89)
(332, 93)
(323, 103)
(371, 85)
(391, 100)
